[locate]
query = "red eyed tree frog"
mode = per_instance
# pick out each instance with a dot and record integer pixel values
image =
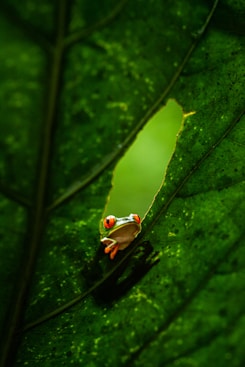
(118, 233)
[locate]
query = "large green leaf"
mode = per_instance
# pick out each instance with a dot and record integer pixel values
(78, 81)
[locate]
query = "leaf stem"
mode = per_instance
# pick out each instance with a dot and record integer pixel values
(37, 216)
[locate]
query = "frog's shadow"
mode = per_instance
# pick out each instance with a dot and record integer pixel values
(123, 278)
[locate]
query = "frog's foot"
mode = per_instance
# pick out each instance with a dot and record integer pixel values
(111, 246)
(112, 249)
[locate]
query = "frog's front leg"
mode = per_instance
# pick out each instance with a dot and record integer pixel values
(112, 246)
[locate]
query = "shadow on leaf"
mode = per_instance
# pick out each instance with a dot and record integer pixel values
(124, 277)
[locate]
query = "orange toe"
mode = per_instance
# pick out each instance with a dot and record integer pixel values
(114, 252)
(108, 249)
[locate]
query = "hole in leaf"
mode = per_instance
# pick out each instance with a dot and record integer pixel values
(140, 173)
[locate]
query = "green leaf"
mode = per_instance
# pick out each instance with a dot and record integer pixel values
(78, 82)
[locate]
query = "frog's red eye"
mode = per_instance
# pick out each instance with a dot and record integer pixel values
(136, 218)
(109, 221)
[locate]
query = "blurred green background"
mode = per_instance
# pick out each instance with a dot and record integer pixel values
(140, 172)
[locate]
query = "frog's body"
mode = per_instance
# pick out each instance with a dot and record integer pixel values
(118, 233)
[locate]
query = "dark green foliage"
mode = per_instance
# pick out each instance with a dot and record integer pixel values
(78, 81)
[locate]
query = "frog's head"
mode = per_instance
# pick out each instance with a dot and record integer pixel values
(110, 224)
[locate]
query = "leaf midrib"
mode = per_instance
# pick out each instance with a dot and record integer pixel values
(37, 215)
